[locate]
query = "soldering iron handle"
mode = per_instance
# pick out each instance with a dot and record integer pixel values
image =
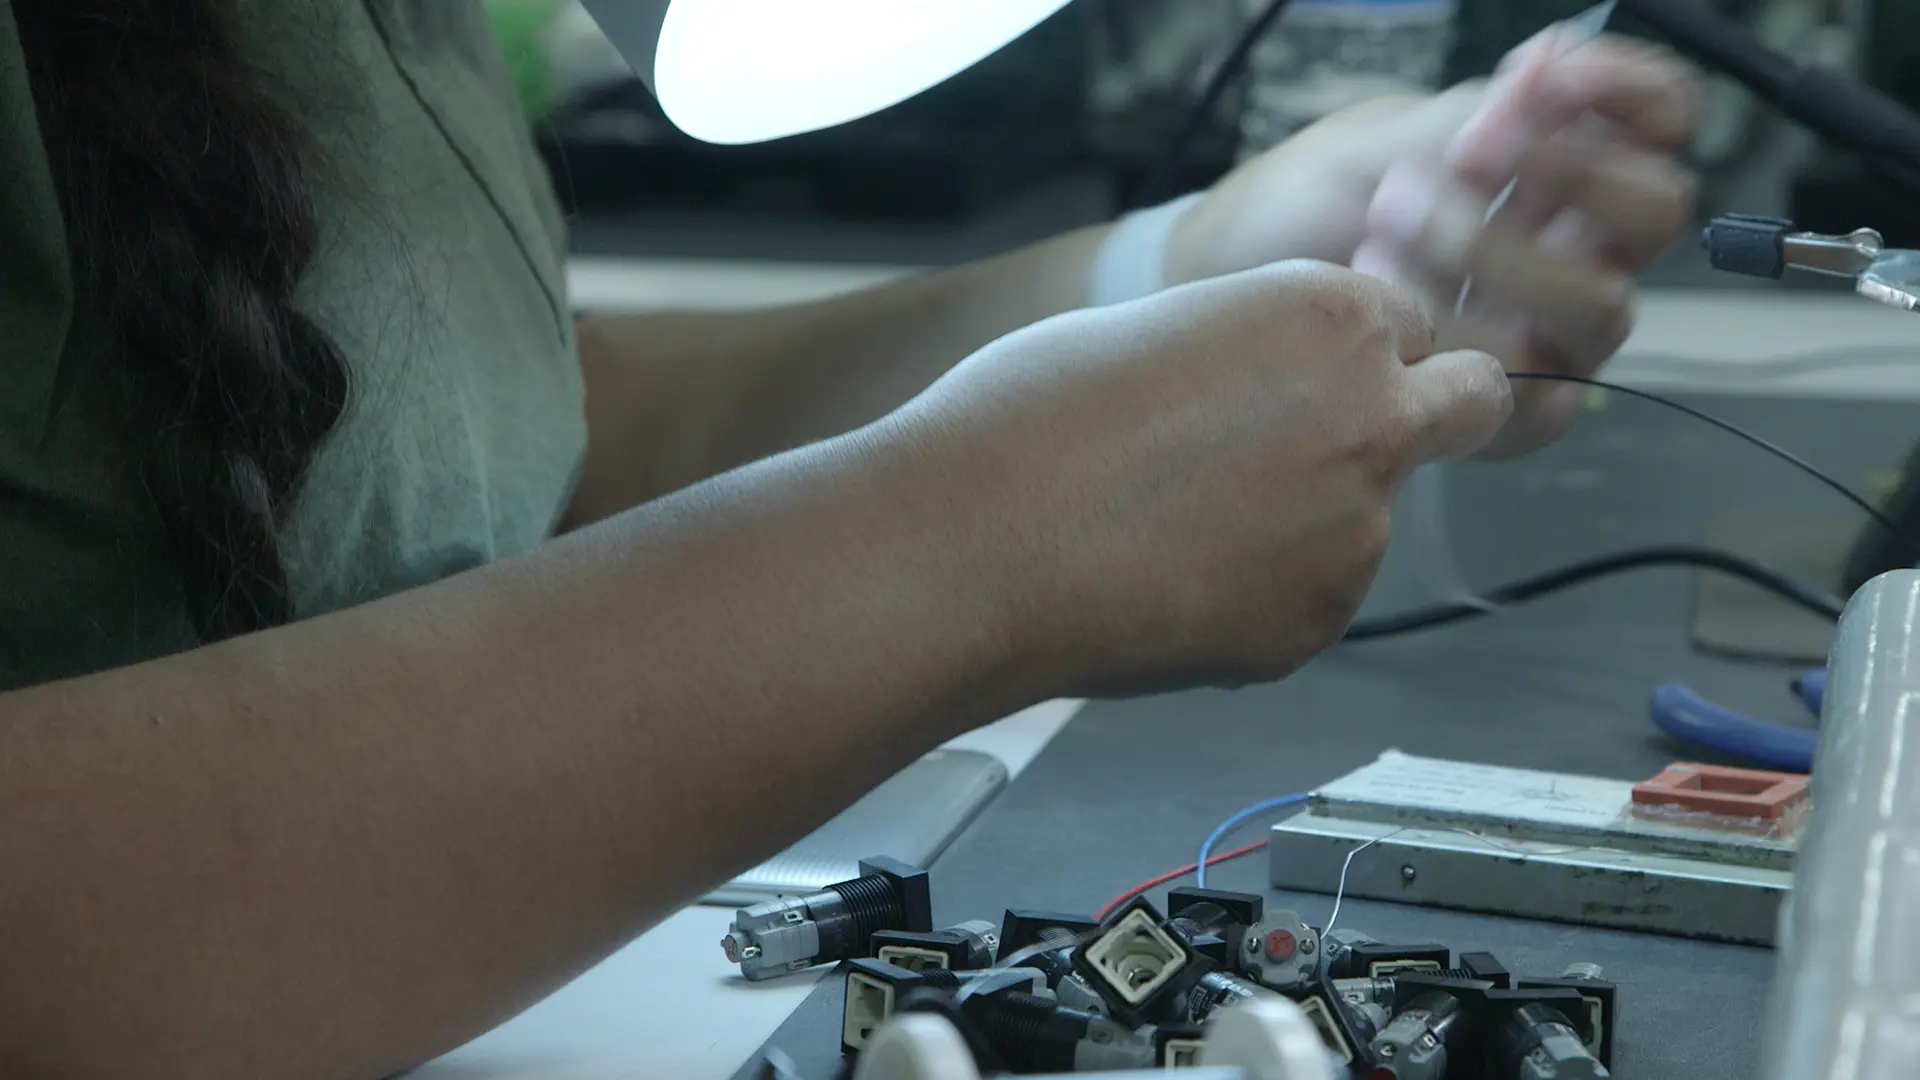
(1837, 108)
(1716, 42)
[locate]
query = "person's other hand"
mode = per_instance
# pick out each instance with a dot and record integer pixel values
(1401, 188)
(1195, 487)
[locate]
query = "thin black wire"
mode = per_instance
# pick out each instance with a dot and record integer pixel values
(1553, 581)
(1166, 169)
(1781, 452)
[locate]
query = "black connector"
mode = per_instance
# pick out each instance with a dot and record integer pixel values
(1535, 1042)
(1486, 967)
(1214, 922)
(1746, 244)
(1142, 969)
(1407, 987)
(1220, 990)
(942, 1003)
(1377, 961)
(1439, 1024)
(834, 924)
(1021, 930)
(1029, 1033)
(1216, 908)
(1337, 947)
(1601, 999)
(1032, 1034)
(875, 988)
(967, 947)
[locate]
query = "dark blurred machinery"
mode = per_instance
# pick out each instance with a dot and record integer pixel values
(1833, 191)
(1873, 122)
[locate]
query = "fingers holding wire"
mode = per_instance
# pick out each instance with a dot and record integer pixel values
(1542, 410)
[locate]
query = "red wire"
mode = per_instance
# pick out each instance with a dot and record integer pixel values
(1172, 874)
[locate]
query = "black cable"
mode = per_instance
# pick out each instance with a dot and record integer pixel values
(1781, 452)
(1165, 171)
(1581, 573)
(1644, 558)
(1856, 117)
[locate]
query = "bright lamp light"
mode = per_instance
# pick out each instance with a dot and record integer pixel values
(744, 71)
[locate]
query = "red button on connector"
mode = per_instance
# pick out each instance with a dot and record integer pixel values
(1280, 945)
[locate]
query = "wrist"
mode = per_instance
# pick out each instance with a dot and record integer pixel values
(1132, 261)
(973, 584)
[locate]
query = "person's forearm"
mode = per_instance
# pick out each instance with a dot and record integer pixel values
(338, 848)
(675, 397)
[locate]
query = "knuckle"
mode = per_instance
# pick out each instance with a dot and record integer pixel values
(1343, 305)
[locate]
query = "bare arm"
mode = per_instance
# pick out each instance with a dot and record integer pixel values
(336, 849)
(673, 398)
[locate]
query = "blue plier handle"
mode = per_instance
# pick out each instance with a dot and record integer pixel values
(1687, 716)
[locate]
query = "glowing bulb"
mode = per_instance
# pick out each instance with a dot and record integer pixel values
(743, 71)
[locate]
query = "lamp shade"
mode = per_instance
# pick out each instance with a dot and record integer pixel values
(744, 71)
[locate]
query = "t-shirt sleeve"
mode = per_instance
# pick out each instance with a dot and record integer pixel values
(36, 294)
(85, 580)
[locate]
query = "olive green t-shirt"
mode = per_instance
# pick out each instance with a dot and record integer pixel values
(441, 278)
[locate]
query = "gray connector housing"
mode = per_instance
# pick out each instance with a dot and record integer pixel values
(1109, 1047)
(795, 933)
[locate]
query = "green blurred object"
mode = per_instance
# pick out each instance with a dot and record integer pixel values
(523, 28)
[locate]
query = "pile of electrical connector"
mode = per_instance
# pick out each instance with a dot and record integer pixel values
(1044, 993)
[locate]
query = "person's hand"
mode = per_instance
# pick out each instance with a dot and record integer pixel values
(1196, 487)
(1401, 187)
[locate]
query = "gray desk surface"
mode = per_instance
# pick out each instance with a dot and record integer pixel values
(1130, 788)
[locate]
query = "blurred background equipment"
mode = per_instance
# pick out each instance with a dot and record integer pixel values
(1100, 91)
(1325, 55)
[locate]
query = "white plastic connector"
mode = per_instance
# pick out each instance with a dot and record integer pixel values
(1329, 1031)
(869, 1005)
(1183, 1053)
(1136, 957)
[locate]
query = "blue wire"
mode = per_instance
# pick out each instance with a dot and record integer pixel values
(1812, 688)
(1686, 716)
(1220, 831)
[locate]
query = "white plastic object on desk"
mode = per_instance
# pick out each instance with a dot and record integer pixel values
(1263, 1039)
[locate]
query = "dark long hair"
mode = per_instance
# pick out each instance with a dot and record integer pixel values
(187, 191)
